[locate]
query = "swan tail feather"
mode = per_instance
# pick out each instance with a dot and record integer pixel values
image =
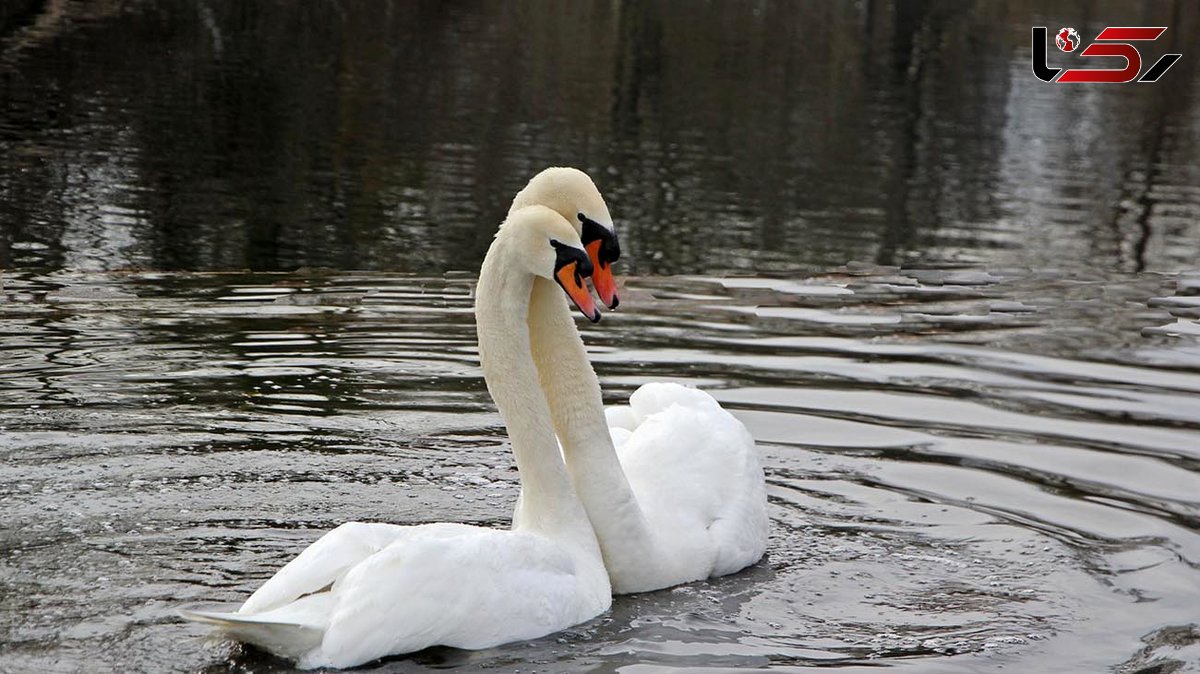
(290, 639)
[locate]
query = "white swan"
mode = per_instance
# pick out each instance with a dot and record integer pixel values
(674, 489)
(364, 591)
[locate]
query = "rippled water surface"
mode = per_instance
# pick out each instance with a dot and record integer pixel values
(957, 307)
(968, 470)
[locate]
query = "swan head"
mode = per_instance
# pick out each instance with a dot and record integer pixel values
(573, 195)
(551, 248)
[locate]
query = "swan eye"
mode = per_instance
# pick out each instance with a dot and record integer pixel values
(564, 255)
(609, 248)
(602, 246)
(571, 265)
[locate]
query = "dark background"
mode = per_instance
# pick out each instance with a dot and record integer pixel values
(764, 136)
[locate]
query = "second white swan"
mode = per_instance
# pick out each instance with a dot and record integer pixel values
(364, 591)
(671, 482)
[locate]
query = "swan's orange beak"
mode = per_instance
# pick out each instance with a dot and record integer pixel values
(571, 280)
(602, 278)
(603, 250)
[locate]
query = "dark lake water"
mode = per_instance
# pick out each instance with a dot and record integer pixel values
(375, 135)
(957, 307)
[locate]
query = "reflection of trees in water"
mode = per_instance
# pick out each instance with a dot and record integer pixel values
(1155, 174)
(392, 134)
(1090, 173)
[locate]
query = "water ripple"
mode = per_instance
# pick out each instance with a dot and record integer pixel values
(943, 490)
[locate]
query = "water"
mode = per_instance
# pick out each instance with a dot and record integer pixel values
(370, 134)
(956, 307)
(966, 470)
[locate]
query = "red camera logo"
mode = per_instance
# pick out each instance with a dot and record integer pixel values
(1111, 42)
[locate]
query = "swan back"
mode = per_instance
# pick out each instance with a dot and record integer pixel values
(696, 471)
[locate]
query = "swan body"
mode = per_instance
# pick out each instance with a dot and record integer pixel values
(695, 472)
(364, 591)
(671, 482)
(397, 589)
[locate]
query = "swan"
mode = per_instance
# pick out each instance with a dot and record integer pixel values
(366, 590)
(671, 482)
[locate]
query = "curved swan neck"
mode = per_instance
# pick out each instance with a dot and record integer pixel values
(566, 376)
(548, 501)
(572, 391)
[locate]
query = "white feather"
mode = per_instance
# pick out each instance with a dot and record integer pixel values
(365, 591)
(696, 474)
(400, 589)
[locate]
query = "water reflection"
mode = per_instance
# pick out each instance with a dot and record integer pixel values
(165, 134)
(966, 469)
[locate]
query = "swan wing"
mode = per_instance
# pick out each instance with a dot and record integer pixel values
(323, 563)
(476, 589)
(696, 473)
(435, 584)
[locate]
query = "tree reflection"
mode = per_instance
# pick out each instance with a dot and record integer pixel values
(759, 136)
